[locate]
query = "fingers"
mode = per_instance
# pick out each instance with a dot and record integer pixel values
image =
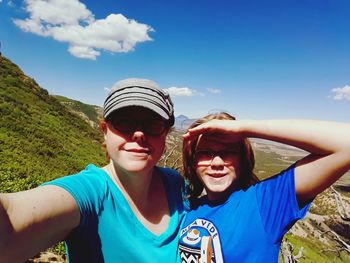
(196, 131)
(213, 126)
(203, 128)
(188, 135)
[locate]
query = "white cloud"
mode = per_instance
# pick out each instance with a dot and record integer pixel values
(70, 21)
(341, 93)
(83, 52)
(9, 3)
(181, 91)
(213, 90)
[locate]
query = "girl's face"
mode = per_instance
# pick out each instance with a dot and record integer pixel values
(217, 165)
(135, 139)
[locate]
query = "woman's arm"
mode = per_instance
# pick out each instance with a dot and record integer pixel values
(327, 142)
(33, 220)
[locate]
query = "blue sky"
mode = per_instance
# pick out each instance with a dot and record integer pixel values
(255, 59)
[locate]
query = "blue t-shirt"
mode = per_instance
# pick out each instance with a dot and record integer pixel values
(247, 227)
(109, 231)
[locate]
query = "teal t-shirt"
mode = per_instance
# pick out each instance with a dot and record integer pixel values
(108, 230)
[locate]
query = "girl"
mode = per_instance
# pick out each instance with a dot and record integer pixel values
(240, 219)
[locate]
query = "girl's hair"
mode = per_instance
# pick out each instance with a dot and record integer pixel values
(246, 177)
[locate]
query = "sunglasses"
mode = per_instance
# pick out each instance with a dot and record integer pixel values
(206, 156)
(152, 127)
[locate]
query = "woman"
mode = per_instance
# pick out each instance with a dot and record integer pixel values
(128, 211)
(240, 219)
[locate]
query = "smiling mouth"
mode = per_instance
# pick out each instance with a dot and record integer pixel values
(138, 151)
(217, 175)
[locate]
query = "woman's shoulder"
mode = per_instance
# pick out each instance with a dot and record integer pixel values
(169, 174)
(90, 179)
(174, 183)
(93, 171)
(91, 174)
(168, 170)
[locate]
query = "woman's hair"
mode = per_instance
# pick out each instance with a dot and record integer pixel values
(246, 176)
(104, 145)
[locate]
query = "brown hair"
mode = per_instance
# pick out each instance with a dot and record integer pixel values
(102, 123)
(246, 177)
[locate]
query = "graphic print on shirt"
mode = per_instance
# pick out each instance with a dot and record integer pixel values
(200, 243)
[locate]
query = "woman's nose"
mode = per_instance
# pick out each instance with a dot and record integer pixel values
(138, 135)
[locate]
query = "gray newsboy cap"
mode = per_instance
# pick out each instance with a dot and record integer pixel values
(139, 92)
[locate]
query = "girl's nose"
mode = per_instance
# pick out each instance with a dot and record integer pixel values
(217, 161)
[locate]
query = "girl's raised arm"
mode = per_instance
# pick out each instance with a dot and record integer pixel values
(327, 142)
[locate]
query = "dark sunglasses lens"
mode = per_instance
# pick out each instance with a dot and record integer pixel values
(229, 154)
(150, 127)
(154, 127)
(204, 155)
(123, 125)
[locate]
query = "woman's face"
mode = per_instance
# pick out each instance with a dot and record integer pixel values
(131, 141)
(217, 165)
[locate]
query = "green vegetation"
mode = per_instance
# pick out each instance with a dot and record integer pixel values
(89, 110)
(39, 138)
(269, 164)
(315, 251)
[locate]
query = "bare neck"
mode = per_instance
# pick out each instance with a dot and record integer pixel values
(146, 196)
(134, 185)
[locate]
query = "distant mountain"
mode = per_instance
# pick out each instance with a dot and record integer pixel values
(40, 139)
(182, 122)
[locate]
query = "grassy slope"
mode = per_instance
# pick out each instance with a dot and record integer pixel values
(39, 138)
(88, 110)
(315, 251)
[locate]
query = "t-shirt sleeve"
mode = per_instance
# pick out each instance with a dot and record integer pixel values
(86, 188)
(278, 204)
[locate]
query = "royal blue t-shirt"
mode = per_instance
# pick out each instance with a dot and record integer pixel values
(109, 231)
(247, 227)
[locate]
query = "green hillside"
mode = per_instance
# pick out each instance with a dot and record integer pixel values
(40, 139)
(92, 112)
